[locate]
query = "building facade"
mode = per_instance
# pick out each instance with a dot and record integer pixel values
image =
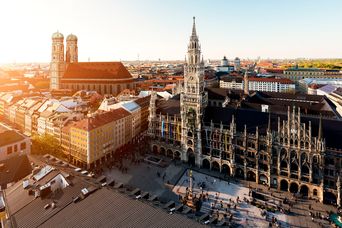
(281, 85)
(289, 152)
(297, 73)
(90, 142)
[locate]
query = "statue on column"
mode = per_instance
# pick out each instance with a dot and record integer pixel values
(189, 199)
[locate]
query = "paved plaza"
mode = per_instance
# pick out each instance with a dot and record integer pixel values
(224, 198)
(170, 182)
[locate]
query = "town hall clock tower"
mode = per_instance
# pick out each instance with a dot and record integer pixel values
(193, 101)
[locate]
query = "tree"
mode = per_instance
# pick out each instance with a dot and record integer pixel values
(46, 144)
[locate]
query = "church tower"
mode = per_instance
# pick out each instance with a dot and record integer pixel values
(71, 55)
(57, 65)
(246, 83)
(193, 101)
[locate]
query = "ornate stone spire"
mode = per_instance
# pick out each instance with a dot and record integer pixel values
(194, 34)
(269, 122)
(320, 128)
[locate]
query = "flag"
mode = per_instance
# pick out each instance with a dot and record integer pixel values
(178, 132)
(162, 129)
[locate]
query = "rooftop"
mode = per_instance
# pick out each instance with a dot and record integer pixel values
(96, 70)
(101, 119)
(332, 129)
(98, 207)
(8, 137)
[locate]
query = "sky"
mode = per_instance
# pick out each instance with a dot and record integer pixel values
(114, 30)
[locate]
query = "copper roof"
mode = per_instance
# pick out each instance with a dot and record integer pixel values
(97, 70)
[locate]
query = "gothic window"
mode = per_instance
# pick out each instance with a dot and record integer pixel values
(283, 165)
(294, 167)
(293, 155)
(189, 134)
(315, 192)
(315, 159)
(263, 147)
(274, 152)
(283, 153)
(303, 158)
(305, 170)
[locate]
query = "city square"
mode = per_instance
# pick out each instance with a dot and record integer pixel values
(149, 114)
(225, 199)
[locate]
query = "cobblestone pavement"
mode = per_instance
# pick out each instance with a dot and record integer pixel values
(300, 213)
(145, 176)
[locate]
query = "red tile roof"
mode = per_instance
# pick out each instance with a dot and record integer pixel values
(101, 119)
(97, 70)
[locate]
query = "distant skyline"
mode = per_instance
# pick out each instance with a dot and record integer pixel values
(113, 30)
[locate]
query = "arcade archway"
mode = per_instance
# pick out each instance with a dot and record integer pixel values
(294, 187)
(177, 155)
(284, 185)
(169, 153)
(226, 170)
(162, 151)
(304, 190)
(155, 149)
(215, 166)
(239, 173)
(205, 164)
(251, 176)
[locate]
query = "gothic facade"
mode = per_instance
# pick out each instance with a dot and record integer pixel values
(285, 152)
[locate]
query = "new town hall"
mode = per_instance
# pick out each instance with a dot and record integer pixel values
(289, 152)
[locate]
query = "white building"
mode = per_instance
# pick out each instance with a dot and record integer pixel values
(310, 85)
(48, 112)
(334, 94)
(130, 106)
(224, 66)
(260, 84)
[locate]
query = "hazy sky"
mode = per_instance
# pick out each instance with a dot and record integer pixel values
(112, 30)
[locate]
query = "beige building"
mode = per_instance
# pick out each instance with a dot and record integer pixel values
(95, 139)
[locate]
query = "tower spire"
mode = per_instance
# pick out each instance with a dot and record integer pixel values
(246, 83)
(269, 122)
(320, 128)
(194, 28)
